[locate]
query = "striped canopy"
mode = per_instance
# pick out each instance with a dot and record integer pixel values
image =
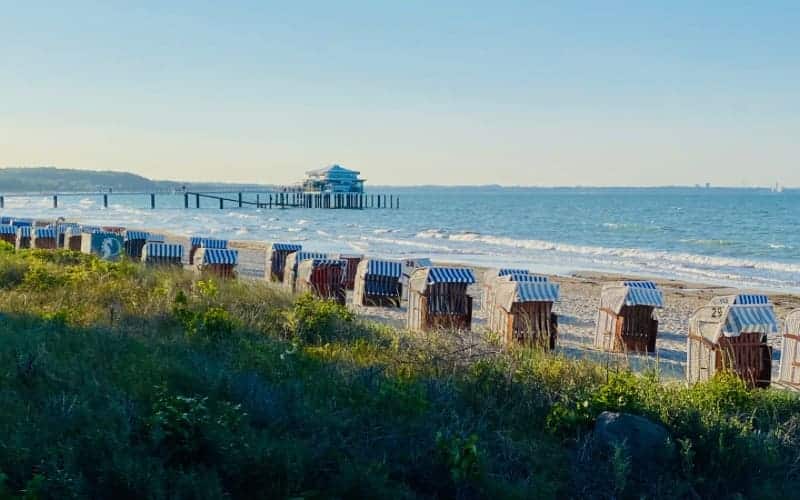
(156, 238)
(527, 278)
(537, 292)
(745, 299)
(300, 256)
(220, 256)
(450, 275)
(740, 299)
(631, 293)
(163, 250)
(21, 222)
(506, 271)
(509, 293)
(45, 232)
(7, 229)
(213, 243)
(749, 319)
(286, 247)
(388, 268)
(5, 220)
(195, 240)
(328, 262)
(136, 235)
(24, 231)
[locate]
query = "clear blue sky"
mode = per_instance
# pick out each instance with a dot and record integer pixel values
(555, 93)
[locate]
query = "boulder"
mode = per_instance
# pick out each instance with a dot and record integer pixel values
(645, 440)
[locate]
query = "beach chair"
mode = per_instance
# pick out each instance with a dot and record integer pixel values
(162, 254)
(521, 311)
(276, 260)
(730, 334)
(377, 283)
(626, 319)
(438, 299)
(218, 262)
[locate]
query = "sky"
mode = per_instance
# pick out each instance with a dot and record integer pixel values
(412, 92)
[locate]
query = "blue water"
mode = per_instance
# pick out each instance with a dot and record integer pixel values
(741, 237)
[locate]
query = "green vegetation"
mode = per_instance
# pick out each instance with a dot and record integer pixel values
(127, 382)
(63, 180)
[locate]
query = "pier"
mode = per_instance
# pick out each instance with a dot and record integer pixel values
(228, 200)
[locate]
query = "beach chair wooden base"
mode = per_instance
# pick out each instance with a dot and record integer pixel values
(531, 324)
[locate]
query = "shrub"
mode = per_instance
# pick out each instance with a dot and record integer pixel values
(315, 321)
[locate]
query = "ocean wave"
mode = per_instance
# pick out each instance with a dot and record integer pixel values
(432, 233)
(635, 254)
(708, 242)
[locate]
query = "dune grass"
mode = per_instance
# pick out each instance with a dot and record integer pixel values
(131, 382)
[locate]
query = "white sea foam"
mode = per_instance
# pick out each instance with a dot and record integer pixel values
(644, 256)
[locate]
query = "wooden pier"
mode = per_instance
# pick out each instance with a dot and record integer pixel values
(241, 199)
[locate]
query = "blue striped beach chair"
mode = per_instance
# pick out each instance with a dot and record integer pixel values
(219, 262)
(377, 283)
(438, 299)
(731, 334)
(155, 253)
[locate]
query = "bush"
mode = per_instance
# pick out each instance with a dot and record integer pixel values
(314, 321)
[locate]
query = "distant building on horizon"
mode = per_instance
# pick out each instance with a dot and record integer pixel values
(334, 179)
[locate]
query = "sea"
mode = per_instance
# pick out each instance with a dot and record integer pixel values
(747, 238)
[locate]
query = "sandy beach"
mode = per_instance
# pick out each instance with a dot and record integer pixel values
(577, 310)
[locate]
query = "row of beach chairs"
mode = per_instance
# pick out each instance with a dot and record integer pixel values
(730, 333)
(208, 255)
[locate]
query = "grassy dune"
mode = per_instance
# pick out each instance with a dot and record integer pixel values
(127, 382)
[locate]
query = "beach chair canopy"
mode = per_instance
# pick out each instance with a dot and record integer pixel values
(24, 231)
(286, 247)
(492, 274)
(163, 250)
(740, 299)
(525, 278)
(45, 232)
(21, 222)
(156, 238)
(423, 277)
(508, 293)
(214, 243)
(301, 256)
(729, 319)
(387, 268)
(136, 235)
(631, 293)
(223, 256)
(206, 242)
(8, 229)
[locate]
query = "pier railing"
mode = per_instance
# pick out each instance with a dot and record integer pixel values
(240, 199)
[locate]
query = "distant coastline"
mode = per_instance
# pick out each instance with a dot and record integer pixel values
(54, 179)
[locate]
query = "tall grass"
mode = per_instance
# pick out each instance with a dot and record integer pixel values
(129, 382)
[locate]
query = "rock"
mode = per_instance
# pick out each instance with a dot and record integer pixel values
(645, 440)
